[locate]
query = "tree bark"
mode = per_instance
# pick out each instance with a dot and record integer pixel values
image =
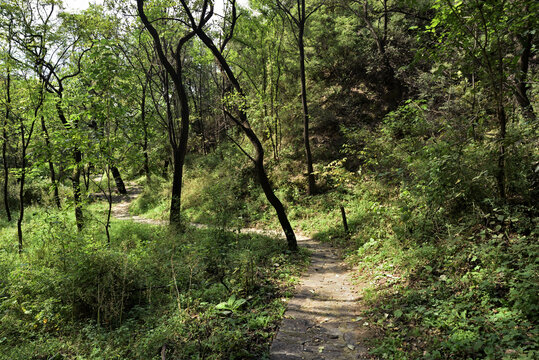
(24, 146)
(4, 146)
(21, 186)
(311, 185)
(178, 142)
(344, 222)
(145, 129)
(120, 186)
(165, 169)
(75, 175)
(500, 176)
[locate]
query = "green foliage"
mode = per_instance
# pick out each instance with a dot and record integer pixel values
(73, 294)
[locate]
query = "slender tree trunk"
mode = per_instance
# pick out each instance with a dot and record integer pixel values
(24, 146)
(4, 145)
(500, 176)
(118, 180)
(311, 185)
(75, 176)
(52, 172)
(21, 188)
(109, 209)
(165, 169)
(178, 141)
(344, 221)
(521, 92)
(145, 140)
(181, 150)
(259, 151)
(175, 201)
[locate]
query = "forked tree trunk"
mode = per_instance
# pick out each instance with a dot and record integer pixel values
(178, 142)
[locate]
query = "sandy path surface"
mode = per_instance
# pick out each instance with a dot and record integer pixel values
(323, 320)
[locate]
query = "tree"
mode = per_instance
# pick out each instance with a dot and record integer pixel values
(479, 34)
(178, 137)
(238, 97)
(364, 10)
(298, 21)
(7, 114)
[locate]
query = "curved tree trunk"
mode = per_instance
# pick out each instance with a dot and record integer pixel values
(521, 91)
(178, 142)
(259, 150)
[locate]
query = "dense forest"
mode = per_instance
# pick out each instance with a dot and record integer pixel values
(140, 136)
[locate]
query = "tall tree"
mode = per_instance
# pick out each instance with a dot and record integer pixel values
(198, 26)
(480, 33)
(298, 20)
(178, 137)
(7, 116)
(57, 59)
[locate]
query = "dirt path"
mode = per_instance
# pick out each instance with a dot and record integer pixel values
(120, 207)
(322, 320)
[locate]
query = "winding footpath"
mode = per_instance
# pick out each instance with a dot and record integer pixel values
(322, 320)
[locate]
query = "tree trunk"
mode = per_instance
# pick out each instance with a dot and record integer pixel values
(75, 176)
(4, 146)
(178, 142)
(259, 151)
(145, 129)
(521, 91)
(175, 201)
(24, 147)
(165, 169)
(118, 180)
(51, 165)
(21, 189)
(500, 176)
(344, 222)
(311, 185)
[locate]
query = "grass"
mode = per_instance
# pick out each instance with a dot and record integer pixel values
(203, 294)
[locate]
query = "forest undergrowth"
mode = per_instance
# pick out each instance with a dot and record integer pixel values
(147, 294)
(451, 276)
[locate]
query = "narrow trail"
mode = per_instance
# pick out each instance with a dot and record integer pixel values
(322, 320)
(120, 207)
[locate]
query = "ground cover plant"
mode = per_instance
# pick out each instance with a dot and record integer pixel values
(146, 293)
